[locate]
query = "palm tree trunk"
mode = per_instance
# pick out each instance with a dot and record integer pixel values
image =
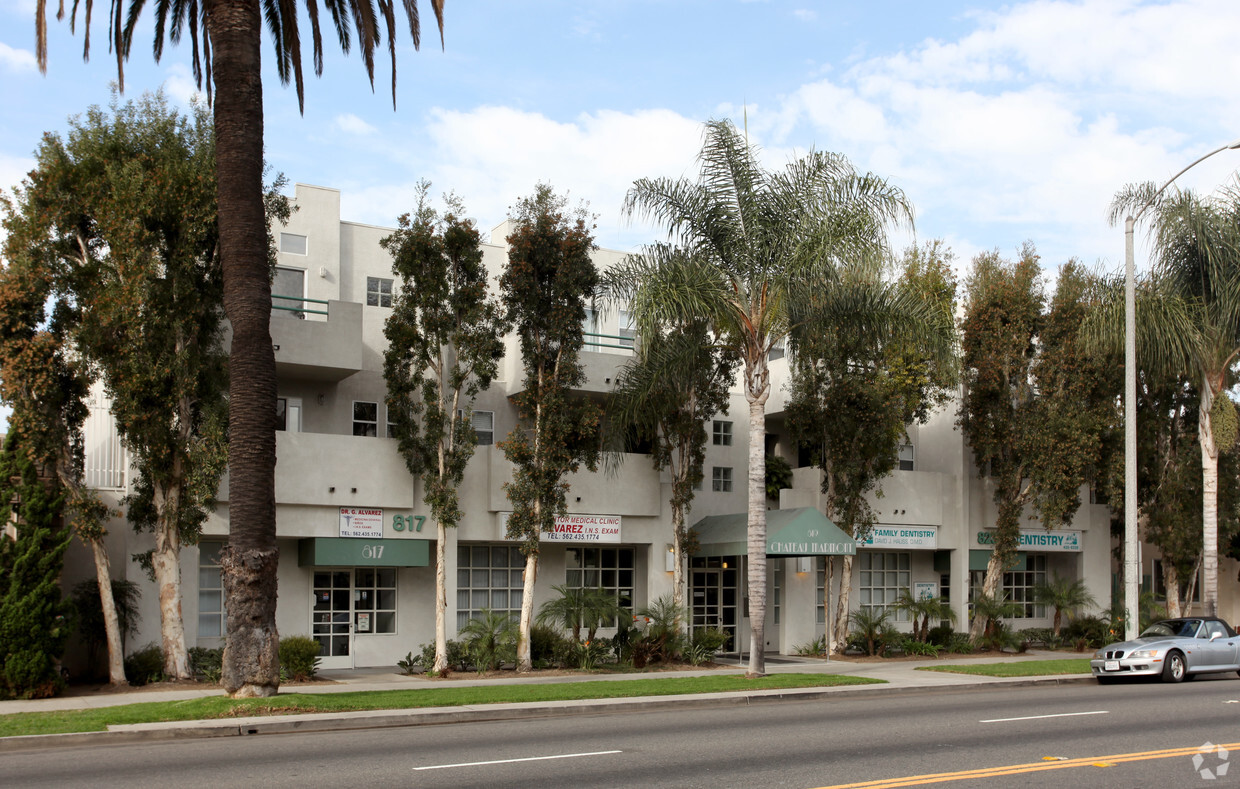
(757, 536)
(251, 558)
(1209, 505)
(111, 622)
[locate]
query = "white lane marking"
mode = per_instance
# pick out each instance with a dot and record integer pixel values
(510, 761)
(1039, 717)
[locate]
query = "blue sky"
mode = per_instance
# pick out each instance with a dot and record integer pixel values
(1003, 123)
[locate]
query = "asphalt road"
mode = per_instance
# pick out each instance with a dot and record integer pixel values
(1129, 735)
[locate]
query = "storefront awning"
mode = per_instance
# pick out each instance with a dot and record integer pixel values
(800, 532)
(362, 552)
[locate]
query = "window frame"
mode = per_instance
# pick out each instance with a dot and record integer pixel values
(305, 242)
(721, 432)
(468, 571)
(721, 479)
(373, 423)
(376, 292)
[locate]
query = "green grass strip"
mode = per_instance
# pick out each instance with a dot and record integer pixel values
(214, 707)
(1023, 668)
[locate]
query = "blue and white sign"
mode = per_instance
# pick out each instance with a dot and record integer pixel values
(916, 537)
(1039, 540)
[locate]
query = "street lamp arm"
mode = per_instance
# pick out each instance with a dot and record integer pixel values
(1234, 144)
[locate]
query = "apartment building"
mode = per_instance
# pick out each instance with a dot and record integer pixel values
(355, 536)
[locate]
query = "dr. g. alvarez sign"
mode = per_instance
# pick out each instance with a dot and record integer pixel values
(575, 528)
(1040, 540)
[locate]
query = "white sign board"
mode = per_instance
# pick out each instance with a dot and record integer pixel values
(1058, 540)
(361, 522)
(917, 537)
(576, 528)
(925, 591)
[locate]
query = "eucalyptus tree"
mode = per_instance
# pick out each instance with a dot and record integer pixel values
(854, 392)
(549, 280)
(677, 381)
(1037, 405)
(443, 348)
(760, 249)
(226, 46)
(1189, 324)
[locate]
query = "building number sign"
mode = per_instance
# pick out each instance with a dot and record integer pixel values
(409, 523)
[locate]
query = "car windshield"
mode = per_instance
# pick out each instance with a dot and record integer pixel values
(1180, 628)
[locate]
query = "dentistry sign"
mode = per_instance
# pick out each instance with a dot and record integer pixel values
(922, 537)
(1039, 540)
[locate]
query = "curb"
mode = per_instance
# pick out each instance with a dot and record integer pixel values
(433, 716)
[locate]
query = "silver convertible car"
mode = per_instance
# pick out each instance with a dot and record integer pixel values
(1175, 649)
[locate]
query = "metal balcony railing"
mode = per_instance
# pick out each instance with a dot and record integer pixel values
(298, 310)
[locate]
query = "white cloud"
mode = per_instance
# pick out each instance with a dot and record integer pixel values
(805, 14)
(179, 85)
(351, 124)
(13, 59)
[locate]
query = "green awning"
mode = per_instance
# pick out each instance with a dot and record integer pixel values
(979, 560)
(800, 532)
(362, 552)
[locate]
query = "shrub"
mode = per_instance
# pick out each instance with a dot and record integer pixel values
(912, 646)
(490, 640)
(959, 644)
(587, 654)
(457, 659)
(815, 647)
(704, 643)
(145, 666)
(941, 635)
(1040, 636)
(207, 664)
(1086, 632)
(89, 609)
(299, 657)
(872, 632)
(409, 664)
(549, 647)
(662, 639)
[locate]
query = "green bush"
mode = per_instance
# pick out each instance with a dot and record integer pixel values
(959, 644)
(490, 640)
(145, 666)
(549, 647)
(872, 631)
(912, 646)
(207, 664)
(941, 635)
(299, 657)
(1040, 636)
(1086, 632)
(89, 609)
(457, 659)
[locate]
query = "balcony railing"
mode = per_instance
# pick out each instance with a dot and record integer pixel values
(298, 310)
(594, 341)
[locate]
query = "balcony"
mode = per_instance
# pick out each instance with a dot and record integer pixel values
(316, 344)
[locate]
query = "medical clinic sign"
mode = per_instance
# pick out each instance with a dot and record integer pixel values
(1039, 540)
(361, 522)
(576, 528)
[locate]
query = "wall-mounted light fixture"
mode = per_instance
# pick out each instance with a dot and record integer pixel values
(803, 564)
(670, 559)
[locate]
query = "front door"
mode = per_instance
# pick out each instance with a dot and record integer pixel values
(713, 592)
(332, 618)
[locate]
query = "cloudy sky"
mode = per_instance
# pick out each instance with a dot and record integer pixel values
(1002, 123)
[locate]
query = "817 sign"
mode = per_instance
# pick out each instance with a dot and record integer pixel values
(409, 523)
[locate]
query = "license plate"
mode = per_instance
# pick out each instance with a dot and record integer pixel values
(1111, 665)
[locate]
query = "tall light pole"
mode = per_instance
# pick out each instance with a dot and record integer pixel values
(1132, 569)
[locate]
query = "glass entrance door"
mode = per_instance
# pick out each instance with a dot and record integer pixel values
(332, 619)
(713, 592)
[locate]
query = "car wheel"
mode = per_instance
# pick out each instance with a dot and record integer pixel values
(1174, 668)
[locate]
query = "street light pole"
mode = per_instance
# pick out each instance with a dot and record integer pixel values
(1132, 568)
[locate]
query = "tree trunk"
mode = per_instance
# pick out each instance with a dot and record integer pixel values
(251, 558)
(1209, 507)
(757, 536)
(1171, 582)
(990, 587)
(166, 562)
(111, 622)
(441, 602)
(842, 602)
(524, 661)
(678, 566)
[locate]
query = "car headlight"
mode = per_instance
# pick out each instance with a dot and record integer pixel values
(1099, 655)
(1144, 653)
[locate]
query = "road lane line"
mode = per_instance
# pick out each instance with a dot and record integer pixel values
(511, 761)
(1040, 717)
(1017, 769)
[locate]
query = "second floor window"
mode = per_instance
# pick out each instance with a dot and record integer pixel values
(628, 329)
(484, 427)
(906, 457)
(365, 418)
(721, 479)
(378, 292)
(722, 433)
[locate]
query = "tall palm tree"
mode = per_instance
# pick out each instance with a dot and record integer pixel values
(226, 39)
(759, 254)
(1188, 316)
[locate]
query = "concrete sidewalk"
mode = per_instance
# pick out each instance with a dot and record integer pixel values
(899, 676)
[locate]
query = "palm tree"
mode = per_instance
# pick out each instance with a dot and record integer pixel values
(226, 36)
(1064, 596)
(922, 610)
(1188, 316)
(754, 253)
(576, 608)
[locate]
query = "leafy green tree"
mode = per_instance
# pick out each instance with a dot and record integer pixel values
(127, 203)
(1063, 595)
(226, 39)
(45, 381)
(443, 348)
(677, 381)
(34, 622)
(545, 287)
(854, 392)
(1036, 404)
(1190, 325)
(759, 254)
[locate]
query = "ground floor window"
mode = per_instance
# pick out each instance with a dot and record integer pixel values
(1016, 586)
(374, 600)
(610, 569)
(210, 591)
(883, 577)
(777, 587)
(820, 588)
(491, 577)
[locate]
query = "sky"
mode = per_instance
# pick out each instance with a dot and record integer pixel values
(1002, 123)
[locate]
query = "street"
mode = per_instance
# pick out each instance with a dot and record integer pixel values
(1127, 735)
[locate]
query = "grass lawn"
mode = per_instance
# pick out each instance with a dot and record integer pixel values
(1024, 668)
(295, 703)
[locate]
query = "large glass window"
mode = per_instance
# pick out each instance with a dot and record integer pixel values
(210, 591)
(883, 577)
(374, 600)
(288, 291)
(488, 576)
(1019, 585)
(610, 569)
